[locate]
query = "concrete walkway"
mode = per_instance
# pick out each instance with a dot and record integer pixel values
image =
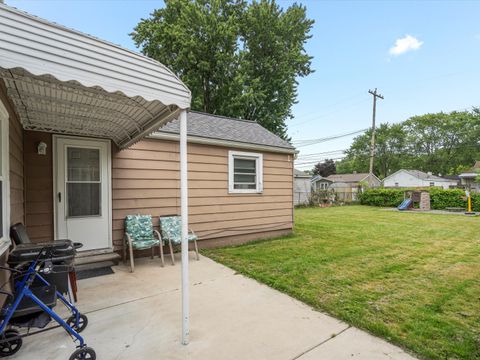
(138, 316)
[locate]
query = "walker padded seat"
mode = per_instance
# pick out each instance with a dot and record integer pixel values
(171, 229)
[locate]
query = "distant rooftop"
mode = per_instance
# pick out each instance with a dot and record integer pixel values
(472, 172)
(357, 177)
(300, 173)
(226, 128)
(425, 176)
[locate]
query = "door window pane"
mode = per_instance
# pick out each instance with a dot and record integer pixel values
(83, 164)
(83, 182)
(83, 199)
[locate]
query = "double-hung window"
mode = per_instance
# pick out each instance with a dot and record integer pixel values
(4, 184)
(245, 172)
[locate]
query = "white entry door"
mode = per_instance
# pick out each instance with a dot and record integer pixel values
(82, 191)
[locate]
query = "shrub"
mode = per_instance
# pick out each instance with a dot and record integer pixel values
(440, 199)
(382, 197)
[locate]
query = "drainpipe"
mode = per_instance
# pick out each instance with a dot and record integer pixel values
(184, 215)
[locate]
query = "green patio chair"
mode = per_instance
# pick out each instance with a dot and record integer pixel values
(171, 229)
(140, 235)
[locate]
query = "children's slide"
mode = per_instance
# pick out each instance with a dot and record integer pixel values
(405, 205)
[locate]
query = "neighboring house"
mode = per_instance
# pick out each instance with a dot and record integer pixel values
(346, 186)
(319, 183)
(454, 178)
(355, 179)
(468, 178)
(301, 186)
(415, 178)
(78, 154)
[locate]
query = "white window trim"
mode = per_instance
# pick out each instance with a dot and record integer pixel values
(5, 240)
(259, 172)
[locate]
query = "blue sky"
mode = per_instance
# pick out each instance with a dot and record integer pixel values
(434, 68)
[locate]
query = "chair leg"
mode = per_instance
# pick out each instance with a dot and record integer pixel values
(171, 251)
(153, 252)
(161, 254)
(132, 266)
(196, 249)
(124, 252)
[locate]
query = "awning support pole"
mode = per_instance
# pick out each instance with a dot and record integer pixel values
(184, 215)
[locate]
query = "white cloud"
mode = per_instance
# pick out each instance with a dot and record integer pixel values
(405, 44)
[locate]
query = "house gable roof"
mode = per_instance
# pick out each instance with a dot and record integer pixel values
(421, 175)
(227, 129)
(317, 178)
(348, 178)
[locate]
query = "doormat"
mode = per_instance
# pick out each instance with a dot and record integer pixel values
(90, 273)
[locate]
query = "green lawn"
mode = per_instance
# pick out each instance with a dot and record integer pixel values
(411, 278)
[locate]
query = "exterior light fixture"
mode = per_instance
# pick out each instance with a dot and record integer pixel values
(42, 148)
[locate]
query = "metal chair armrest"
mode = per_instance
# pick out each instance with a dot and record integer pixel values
(159, 237)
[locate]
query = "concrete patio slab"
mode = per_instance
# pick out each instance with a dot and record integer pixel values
(355, 344)
(138, 316)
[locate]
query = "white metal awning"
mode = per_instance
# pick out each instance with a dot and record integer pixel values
(61, 80)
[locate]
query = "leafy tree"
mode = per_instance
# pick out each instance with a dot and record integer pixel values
(197, 40)
(238, 58)
(390, 151)
(325, 168)
(443, 143)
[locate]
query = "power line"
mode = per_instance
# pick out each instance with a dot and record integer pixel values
(308, 115)
(308, 142)
(307, 156)
(310, 163)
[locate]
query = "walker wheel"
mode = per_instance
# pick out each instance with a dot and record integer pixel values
(10, 347)
(82, 323)
(84, 353)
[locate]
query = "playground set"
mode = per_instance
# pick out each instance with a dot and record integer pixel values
(412, 198)
(420, 200)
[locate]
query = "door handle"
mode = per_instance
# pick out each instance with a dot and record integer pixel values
(59, 197)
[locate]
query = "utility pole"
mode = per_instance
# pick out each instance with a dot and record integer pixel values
(372, 144)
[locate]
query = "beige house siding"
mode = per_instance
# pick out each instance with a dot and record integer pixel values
(145, 180)
(17, 197)
(39, 187)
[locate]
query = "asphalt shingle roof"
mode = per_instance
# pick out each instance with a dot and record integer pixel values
(424, 176)
(225, 128)
(300, 173)
(347, 177)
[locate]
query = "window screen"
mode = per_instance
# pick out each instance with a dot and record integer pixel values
(244, 173)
